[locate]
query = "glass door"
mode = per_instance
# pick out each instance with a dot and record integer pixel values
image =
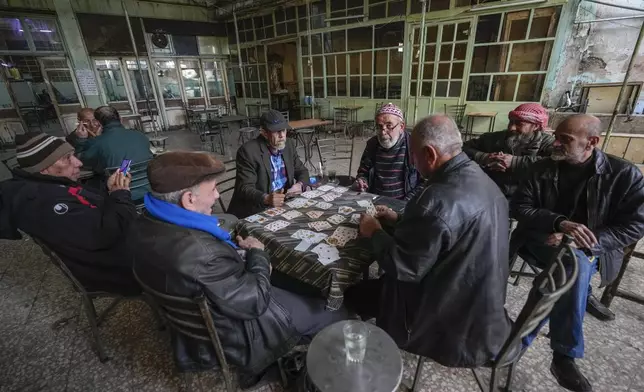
(113, 84)
(214, 74)
(140, 84)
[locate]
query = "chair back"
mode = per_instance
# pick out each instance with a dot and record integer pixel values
(190, 317)
(553, 282)
(336, 149)
(56, 261)
(286, 115)
(228, 184)
(140, 183)
(457, 112)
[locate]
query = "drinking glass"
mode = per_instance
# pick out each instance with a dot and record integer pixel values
(355, 340)
(332, 177)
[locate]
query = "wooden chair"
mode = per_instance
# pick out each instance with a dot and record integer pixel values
(553, 282)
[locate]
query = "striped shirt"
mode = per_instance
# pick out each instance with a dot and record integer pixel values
(389, 170)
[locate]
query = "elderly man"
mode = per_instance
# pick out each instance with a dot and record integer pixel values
(385, 167)
(87, 128)
(179, 249)
(596, 198)
(442, 294)
(268, 168)
(506, 155)
(85, 227)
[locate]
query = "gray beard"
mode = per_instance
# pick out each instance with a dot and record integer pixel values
(518, 140)
(387, 144)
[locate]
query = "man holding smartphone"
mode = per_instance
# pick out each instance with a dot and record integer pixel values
(85, 227)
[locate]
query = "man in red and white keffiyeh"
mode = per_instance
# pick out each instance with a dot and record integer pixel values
(506, 155)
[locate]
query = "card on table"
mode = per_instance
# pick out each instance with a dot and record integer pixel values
(324, 205)
(310, 203)
(345, 210)
(342, 235)
(274, 211)
(257, 219)
(326, 188)
(303, 246)
(320, 225)
(340, 189)
(315, 214)
(330, 196)
(291, 214)
(297, 203)
(326, 253)
(312, 194)
(309, 236)
(364, 203)
(277, 225)
(355, 219)
(336, 219)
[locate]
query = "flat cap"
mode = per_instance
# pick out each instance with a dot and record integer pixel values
(177, 170)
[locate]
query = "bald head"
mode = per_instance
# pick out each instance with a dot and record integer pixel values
(85, 114)
(584, 125)
(576, 138)
(439, 131)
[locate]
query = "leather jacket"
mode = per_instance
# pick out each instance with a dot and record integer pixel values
(446, 268)
(253, 328)
(615, 202)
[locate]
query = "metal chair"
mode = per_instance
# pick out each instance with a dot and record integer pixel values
(553, 282)
(139, 185)
(457, 112)
(246, 134)
(371, 124)
(612, 290)
(87, 301)
(190, 317)
(286, 115)
(339, 150)
(307, 137)
(224, 185)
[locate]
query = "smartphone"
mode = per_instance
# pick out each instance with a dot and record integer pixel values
(125, 166)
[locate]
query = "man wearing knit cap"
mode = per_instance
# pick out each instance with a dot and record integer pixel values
(385, 167)
(86, 228)
(179, 249)
(506, 155)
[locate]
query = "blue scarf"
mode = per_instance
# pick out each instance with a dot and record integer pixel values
(174, 214)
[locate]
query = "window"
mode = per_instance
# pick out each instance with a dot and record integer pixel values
(511, 55)
(384, 8)
(254, 68)
(191, 77)
(12, 35)
(5, 98)
(318, 14)
(63, 85)
(285, 21)
(111, 79)
(245, 27)
(344, 9)
(139, 79)
(44, 34)
(169, 82)
(213, 72)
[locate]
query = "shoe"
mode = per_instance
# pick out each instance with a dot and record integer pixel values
(247, 381)
(568, 375)
(598, 310)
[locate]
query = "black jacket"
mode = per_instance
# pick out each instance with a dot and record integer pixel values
(539, 147)
(85, 228)
(253, 179)
(446, 268)
(253, 328)
(615, 202)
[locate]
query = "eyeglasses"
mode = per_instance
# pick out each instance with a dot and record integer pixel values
(387, 127)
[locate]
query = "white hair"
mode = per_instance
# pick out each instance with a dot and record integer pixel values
(441, 132)
(174, 197)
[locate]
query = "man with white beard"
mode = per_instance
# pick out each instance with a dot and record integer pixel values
(386, 168)
(506, 156)
(596, 198)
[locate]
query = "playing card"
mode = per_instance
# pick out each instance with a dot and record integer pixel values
(257, 219)
(329, 196)
(320, 225)
(371, 209)
(345, 210)
(311, 194)
(364, 203)
(340, 189)
(326, 253)
(291, 214)
(297, 203)
(324, 205)
(336, 219)
(326, 188)
(355, 219)
(315, 214)
(309, 236)
(277, 225)
(303, 246)
(274, 211)
(341, 236)
(309, 203)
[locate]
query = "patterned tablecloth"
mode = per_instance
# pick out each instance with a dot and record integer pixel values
(331, 279)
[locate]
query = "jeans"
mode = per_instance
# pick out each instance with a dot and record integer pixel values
(567, 316)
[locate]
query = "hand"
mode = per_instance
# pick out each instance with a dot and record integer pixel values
(82, 131)
(249, 243)
(496, 166)
(505, 159)
(295, 189)
(369, 225)
(584, 238)
(386, 213)
(554, 239)
(119, 181)
(360, 185)
(491, 158)
(275, 199)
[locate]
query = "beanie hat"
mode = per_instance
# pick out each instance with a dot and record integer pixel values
(37, 151)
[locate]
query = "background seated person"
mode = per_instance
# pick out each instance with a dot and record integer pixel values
(596, 198)
(385, 167)
(85, 227)
(507, 155)
(446, 266)
(86, 129)
(179, 249)
(268, 167)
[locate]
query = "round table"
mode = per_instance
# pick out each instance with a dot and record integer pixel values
(328, 369)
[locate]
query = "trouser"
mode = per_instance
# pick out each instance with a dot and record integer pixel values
(567, 316)
(308, 314)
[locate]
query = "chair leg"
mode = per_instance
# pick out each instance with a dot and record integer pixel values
(508, 382)
(516, 279)
(90, 311)
(156, 312)
(419, 368)
(479, 381)
(103, 315)
(493, 381)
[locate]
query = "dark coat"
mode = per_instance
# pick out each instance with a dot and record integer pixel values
(615, 202)
(253, 179)
(446, 269)
(539, 147)
(368, 165)
(253, 328)
(86, 228)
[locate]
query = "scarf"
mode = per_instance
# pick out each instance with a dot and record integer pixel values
(174, 214)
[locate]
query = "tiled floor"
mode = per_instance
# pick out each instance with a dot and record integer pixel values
(35, 357)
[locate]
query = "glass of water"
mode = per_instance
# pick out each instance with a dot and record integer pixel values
(332, 177)
(355, 340)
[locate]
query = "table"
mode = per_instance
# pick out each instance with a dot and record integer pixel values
(126, 118)
(490, 116)
(327, 368)
(308, 123)
(352, 112)
(302, 269)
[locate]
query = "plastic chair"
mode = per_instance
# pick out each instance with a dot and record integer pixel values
(552, 283)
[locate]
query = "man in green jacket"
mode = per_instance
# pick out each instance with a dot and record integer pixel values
(506, 155)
